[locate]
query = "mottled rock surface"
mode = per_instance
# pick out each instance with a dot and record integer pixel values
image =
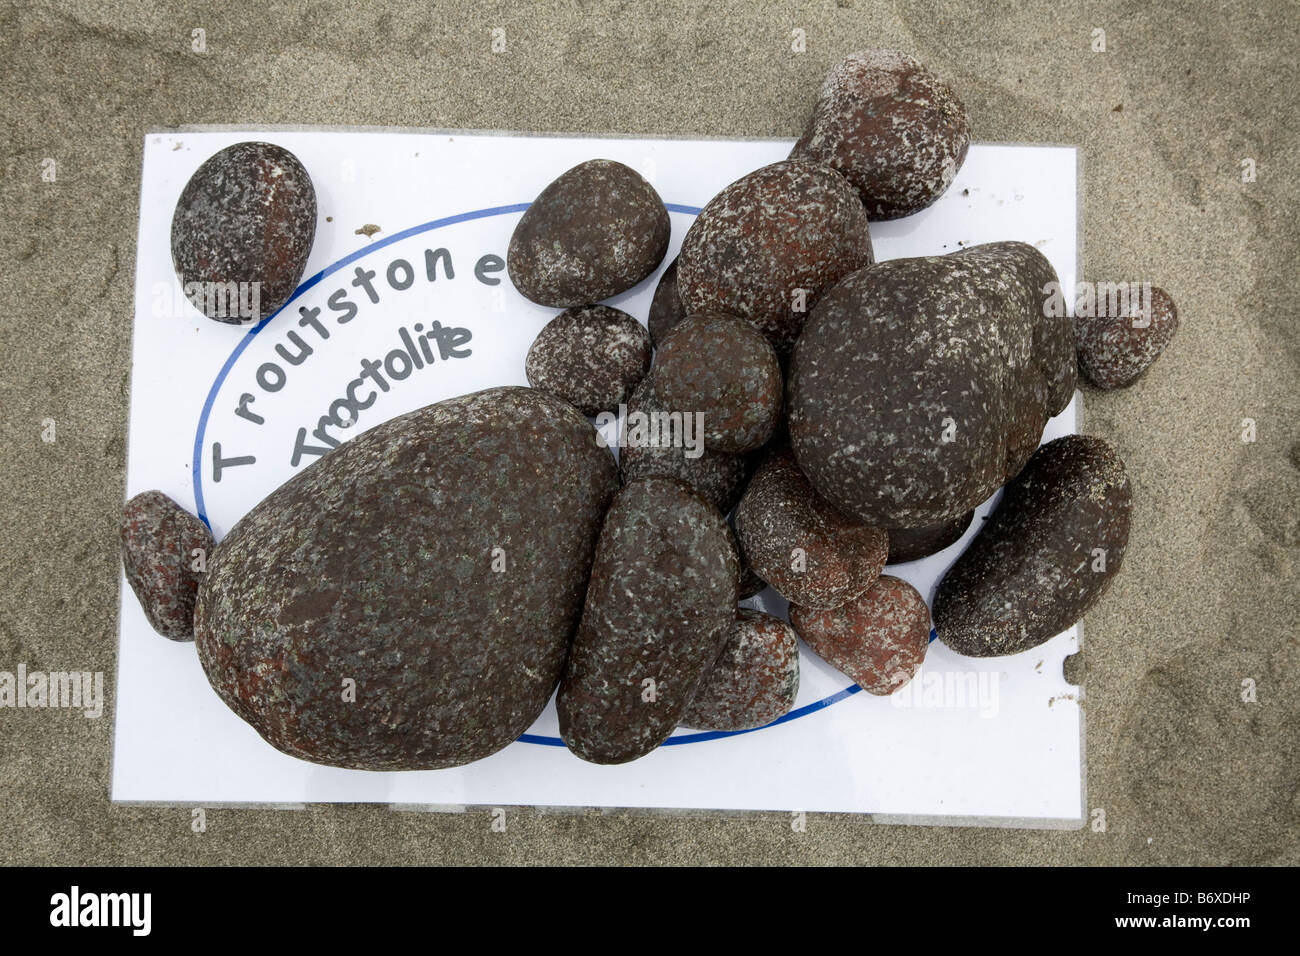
(810, 552)
(666, 309)
(893, 129)
(769, 245)
(661, 597)
(590, 356)
(879, 639)
(754, 680)
(921, 385)
(1046, 555)
(1115, 351)
(912, 544)
(438, 561)
(248, 217)
(159, 544)
(723, 367)
(594, 232)
(718, 476)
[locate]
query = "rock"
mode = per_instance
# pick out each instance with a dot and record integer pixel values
(159, 544)
(718, 476)
(666, 309)
(433, 568)
(755, 679)
(912, 544)
(242, 231)
(750, 583)
(809, 552)
(661, 598)
(590, 356)
(1035, 568)
(891, 127)
(596, 231)
(1114, 352)
(964, 370)
(879, 639)
(769, 245)
(723, 367)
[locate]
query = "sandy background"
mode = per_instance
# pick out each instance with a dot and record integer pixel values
(1184, 770)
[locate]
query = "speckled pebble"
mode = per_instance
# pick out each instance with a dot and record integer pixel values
(1047, 554)
(248, 217)
(666, 309)
(590, 356)
(164, 549)
(661, 597)
(718, 476)
(913, 544)
(723, 367)
(891, 127)
(1115, 351)
(769, 245)
(755, 679)
(809, 552)
(879, 639)
(964, 370)
(594, 232)
(437, 562)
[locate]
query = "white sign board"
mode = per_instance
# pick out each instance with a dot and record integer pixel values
(412, 230)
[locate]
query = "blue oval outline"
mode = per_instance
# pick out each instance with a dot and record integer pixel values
(201, 432)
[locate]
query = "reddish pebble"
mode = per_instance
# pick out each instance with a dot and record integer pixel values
(159, 544)
(1114, 352)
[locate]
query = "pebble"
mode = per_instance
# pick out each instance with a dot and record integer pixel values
(590, 356)
(755, 679)
(1114, 352)
(164, 549)
(666, 309)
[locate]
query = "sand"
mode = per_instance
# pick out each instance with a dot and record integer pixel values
(1184, 770)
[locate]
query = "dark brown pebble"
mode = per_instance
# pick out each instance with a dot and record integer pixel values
(596, 231)
(912, 544)
(879, 639)
(661, 597)
(666, 309)
(244, 224)
(755, 679)
(164, 551)
(590, 356)
(1046, 555)
(1115, 351)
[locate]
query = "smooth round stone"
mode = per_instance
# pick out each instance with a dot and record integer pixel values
(913, 544)
(1115, 351)
(769, 245)
(590, 356)
(964, 366)
(242, 231)
(596, 231)
(164, 549)
(407, 601)
(666, 309)
(809, 552)
(718, 476)
(891, 127)
(661, 597)
(755, 679)
(1044, 557)
(879, 639)
(723, 367)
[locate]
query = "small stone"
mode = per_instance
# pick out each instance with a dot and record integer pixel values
(750, 583)
(879, 639)
(1045, 556)
(164, 551)
(407, 601)
(242, 231)
(912, 544)
(590, 356)
(769, 245)
(963, 366)
(661, 597)
(723, 367)
(809, 552)
(896, 131)
(1115, 351)
(755, 679)
(716, 475)
(666, 309)
(596, 231)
